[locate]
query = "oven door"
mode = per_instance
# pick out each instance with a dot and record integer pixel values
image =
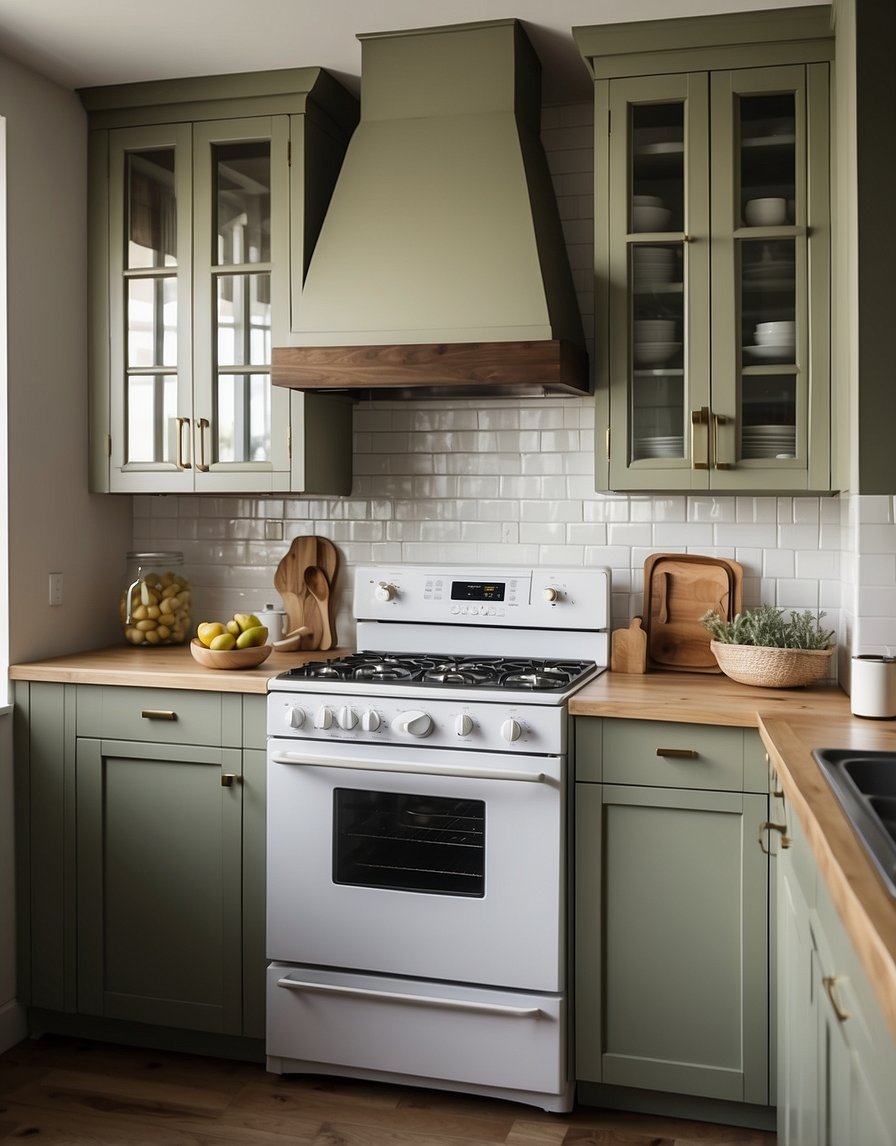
(420, 862)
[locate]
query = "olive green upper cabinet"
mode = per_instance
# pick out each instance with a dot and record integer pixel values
(712, 251)
(206, 198)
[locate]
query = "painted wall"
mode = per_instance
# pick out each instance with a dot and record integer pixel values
(54, 524)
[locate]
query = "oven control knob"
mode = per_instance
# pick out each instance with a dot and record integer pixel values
(346, 717)
(511, 730)
(384, 591)
(370, 720)
(463, 725)
(295, 717)
(323, 717)
(413, 723)
(551, 595)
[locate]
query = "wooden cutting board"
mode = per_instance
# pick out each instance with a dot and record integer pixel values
(628, 648)
(678, 589)
(289, 581)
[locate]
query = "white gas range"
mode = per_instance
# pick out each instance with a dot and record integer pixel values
(417, 806)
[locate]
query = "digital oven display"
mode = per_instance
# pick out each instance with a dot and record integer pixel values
(477, 590)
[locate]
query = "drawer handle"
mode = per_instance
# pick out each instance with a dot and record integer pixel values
(678, 753)
(158, 714)
(768, 826)
(413, 1000)
(228, 779)
(830, 982)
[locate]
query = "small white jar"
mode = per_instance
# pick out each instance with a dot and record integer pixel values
(873, 687)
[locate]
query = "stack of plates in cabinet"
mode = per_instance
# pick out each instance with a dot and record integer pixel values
(665, 446)
(768, 441)
(654, 341)
(652, 265)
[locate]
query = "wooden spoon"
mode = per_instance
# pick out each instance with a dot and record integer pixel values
(319, 588)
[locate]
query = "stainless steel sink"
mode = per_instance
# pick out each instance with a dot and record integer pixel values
(865, 785)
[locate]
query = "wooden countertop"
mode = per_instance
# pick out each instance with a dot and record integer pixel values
(791, 723)
(168, 667)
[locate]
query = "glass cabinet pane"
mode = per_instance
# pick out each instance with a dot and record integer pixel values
(244, 320)
(152, 321)
(242, 182)
(243, 418)
(151, 209)
(657, 167)
(150, 416)
(657, 385)
(767, 133)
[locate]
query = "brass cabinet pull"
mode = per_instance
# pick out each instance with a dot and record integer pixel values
(202, 426)
(182, 463)
(228, 779)
(678, 753)
(700, 429)
(768, 826)
(830, 982)
(718, 420)
(158, 714)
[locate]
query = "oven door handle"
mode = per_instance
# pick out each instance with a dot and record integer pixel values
(420, 1000)
(419, 769)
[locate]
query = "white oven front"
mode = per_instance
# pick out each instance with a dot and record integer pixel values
(427, 863)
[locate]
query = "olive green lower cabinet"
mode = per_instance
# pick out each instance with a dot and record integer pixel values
(158, 867)
(672, 924)
(836, 1057)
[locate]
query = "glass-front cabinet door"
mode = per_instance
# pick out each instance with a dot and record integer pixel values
(239, 266)
(715, 268)
(197, 213)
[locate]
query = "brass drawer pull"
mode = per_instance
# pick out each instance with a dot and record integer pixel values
(830, 982)
(678, 753)
(228, 779)
(158, 714)
(770, 827)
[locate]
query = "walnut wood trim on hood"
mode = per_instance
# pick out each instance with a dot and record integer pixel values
(484, 369)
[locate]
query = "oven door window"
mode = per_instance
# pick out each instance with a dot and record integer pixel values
(409, 843)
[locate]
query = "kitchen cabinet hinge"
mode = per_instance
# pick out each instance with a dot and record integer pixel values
(108, 445)
(289, 153)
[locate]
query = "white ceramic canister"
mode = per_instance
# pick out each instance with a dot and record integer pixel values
(274, 620)
(873, 687)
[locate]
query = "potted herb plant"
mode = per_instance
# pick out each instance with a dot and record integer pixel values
(764, 646)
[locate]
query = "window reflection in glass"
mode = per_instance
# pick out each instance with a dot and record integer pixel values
(152, 321)
(151, 411)
(244, 320)
(242, 173)
(243, 418)
(151, 209)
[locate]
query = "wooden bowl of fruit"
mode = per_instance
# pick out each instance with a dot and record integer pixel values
(240, 643)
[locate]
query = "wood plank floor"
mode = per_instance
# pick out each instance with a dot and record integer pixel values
(58, 1091)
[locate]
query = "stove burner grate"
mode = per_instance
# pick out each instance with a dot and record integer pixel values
(521, 673)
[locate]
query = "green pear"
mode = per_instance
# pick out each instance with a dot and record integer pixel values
(246, 621)
(249, 638)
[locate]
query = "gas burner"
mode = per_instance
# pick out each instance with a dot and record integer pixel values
(501, 673)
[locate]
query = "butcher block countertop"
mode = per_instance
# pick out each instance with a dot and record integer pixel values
(791, 722)
(168, 667)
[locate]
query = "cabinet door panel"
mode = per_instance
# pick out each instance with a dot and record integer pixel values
(149, 250)
(685, 942)
(159, 884)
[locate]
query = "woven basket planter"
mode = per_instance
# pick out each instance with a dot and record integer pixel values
(770, 667)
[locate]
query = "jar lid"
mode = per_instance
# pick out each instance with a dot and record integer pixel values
(171, 557)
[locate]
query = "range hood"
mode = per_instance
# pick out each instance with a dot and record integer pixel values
(441, 267)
